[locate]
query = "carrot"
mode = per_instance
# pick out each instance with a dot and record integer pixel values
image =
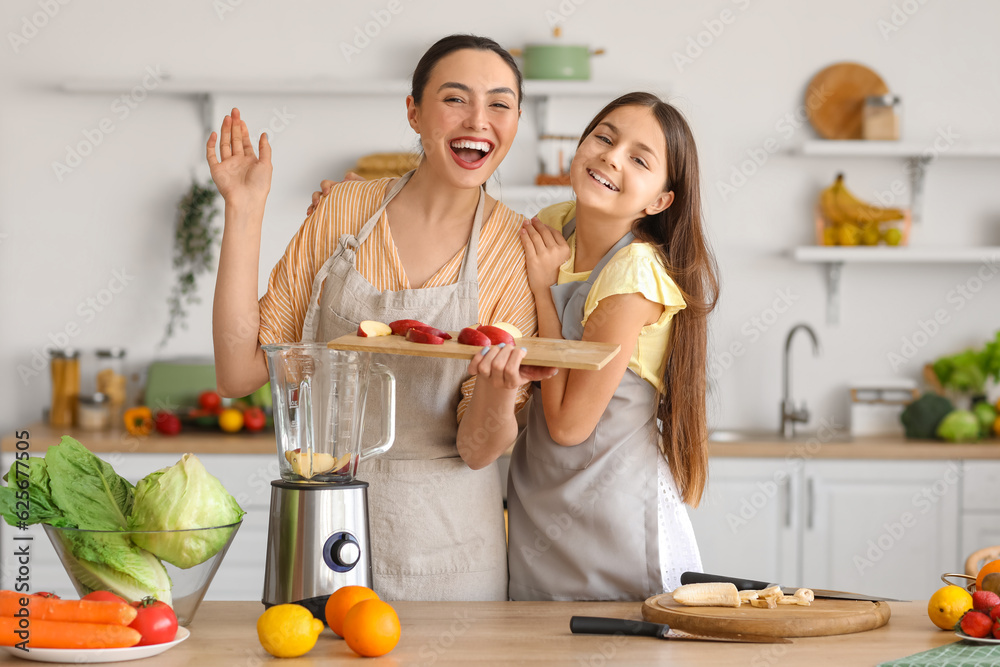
(53, 609)
(30, 633)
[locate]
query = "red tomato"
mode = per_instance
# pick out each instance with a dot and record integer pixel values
(209, 400)
(103, 596)
(254, 419)
(156, 622)
(167, 423)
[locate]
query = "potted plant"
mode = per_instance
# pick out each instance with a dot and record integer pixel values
(194, 241)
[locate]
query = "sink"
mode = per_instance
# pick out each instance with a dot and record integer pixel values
(751, 435)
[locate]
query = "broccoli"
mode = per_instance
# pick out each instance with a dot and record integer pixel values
(922, 417)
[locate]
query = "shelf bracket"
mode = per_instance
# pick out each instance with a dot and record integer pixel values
(833, 273)
(916, 167)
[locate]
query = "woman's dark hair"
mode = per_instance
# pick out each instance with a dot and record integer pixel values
(450, 44)
(678, 236)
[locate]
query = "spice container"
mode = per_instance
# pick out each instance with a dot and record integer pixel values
(880, 119)
(92, 412)
(111, 381)
(65, 369)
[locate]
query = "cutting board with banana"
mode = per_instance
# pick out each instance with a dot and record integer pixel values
(708, 610)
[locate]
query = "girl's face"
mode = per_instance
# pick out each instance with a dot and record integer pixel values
(467, 118)
(620, 168)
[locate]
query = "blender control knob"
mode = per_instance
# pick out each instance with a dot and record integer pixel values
(345, 552)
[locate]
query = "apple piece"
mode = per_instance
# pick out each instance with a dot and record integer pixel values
(417, 336)
(400, 327)
(369, 328)
(509, 328)
(342, 464)
(496, 334)
(470, 336)
(432, 331)
(302, 466)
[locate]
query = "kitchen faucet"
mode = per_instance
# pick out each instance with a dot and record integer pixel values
(790, 415)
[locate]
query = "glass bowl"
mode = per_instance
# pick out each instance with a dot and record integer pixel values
(175, 566)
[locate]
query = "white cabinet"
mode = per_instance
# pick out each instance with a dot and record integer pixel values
(980, 506)
(886, 528)
(241, 574)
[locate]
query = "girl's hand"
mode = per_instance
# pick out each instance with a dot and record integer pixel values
(545, 250)
(241, 177)
(500, 366)
(324, 187)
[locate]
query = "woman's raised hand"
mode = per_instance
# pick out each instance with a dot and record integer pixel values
(545, 250)
(324, 187)
(241, 177)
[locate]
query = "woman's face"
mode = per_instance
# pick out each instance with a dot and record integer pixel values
(621, 167)
(468, 116)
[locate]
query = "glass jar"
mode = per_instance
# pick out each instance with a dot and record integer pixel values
(64, 366)
(92, 412)
(111, 381)
(880, 120)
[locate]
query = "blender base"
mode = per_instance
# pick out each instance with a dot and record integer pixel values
(317, 542)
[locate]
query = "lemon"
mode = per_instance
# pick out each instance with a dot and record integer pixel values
(829, 236)
(893, 236)
(231, 420)
(946, 606)
(848, 235)
(869, 236)
(288, 630)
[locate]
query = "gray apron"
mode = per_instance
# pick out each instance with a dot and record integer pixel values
(583, 519)
(437, 526)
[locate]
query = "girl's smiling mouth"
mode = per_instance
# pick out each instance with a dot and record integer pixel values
(470, 152)
(600, 178)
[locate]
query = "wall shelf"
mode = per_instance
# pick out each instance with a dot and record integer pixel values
(917, 157)
(834, 258)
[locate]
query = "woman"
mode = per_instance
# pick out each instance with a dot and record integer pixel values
(429, 246)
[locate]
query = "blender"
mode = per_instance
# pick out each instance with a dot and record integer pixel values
(317, 534)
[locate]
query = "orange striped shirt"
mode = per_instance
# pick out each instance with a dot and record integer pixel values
(504, 295)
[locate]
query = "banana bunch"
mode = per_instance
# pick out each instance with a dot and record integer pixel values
(851, 221)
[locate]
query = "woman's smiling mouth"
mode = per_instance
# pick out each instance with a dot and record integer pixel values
(470, 152)
(602, 180)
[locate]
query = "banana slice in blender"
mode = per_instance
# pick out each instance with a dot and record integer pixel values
(321, 463)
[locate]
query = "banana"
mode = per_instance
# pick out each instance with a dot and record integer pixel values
(708, 595)
(840, 207)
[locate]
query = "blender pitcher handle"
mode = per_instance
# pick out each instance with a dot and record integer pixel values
(388, 381)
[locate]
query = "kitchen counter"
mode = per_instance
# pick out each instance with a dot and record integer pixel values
(475, 633)
(209, 442)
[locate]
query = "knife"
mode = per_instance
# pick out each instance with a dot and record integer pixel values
(752, 585)
(592, 625)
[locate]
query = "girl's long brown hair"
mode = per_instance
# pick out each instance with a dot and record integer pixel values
(680, 241)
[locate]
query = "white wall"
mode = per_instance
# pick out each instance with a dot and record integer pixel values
(61, 240)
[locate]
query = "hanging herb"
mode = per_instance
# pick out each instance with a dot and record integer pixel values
(193, 252)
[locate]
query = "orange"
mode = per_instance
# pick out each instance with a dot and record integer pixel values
(341, 602)
(992, 566)
(371, 628)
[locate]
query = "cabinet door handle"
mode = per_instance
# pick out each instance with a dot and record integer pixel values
(810, 502)
(788, 503)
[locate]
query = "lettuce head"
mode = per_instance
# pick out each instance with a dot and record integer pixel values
(183, 497)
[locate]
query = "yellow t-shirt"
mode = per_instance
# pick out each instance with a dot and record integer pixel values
(634, 269)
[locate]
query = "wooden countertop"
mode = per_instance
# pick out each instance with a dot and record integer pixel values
(207, 442)
(40, 436)
(472, 633)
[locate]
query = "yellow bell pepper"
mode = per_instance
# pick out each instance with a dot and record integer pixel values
(139, 421)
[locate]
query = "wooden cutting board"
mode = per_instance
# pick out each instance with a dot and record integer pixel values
(821, 618)
(835, 99)
(541, 351)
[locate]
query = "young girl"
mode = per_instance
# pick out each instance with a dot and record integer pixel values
(600, 473)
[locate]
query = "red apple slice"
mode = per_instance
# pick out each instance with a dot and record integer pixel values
(496, 334)
(400, 327)
(470, 336)
(415, 335)
(432, 331)
(509, 328)
(369, 328)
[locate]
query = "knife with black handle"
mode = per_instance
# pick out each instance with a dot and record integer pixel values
(593, 625)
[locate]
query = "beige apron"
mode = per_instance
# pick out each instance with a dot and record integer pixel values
(583, 519)
(436, 525)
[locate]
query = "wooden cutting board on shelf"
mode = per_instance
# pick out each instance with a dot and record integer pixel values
(823, 617)
(835, 99)
(541, 351)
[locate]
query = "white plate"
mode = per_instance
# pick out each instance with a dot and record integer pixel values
(978, 640)
(92, 655)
